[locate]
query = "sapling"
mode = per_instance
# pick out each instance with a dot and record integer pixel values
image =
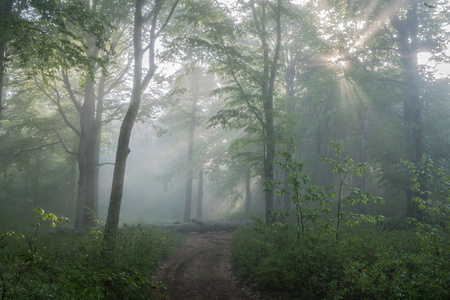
(345, 194)
(302, 192)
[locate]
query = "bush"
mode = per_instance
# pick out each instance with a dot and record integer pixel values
(70, 265)
(366, 264)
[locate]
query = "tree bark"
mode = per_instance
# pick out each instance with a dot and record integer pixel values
(200, 194)
(248, 191)
(5, 11)
(412, 107)
(140, 82)
(112, 221)
(268, 83)
(85, 153)
(188, 200)
(360, 181)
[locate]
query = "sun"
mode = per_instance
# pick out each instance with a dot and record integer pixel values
(339, 61)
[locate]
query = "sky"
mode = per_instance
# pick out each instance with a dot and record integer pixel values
(442, 70)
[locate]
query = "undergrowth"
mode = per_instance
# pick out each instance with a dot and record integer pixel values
(363, 264)
(48, 264)
(320, 256)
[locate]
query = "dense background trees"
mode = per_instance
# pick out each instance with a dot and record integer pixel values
(299, 113)
(260, 74)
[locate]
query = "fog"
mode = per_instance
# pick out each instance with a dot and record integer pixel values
(236, 88)
(155, 182)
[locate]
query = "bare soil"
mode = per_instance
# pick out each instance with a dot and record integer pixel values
(200, 270)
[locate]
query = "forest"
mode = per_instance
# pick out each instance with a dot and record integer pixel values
(324, 124)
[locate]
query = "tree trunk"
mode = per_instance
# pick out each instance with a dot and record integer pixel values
(86, 158)
(188, 200)
(139, 85)
(112, 221)
(248, 191)
(200, 195)
(288, 194)
(5, 11)
(72, 197)
(360, 181)
(267, 93)
(93, 154)
(412, 108)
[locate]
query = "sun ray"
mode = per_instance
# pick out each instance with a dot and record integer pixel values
(377, 24)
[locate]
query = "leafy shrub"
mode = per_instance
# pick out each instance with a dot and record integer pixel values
(363, 264)
(71, 265)
(306, 261)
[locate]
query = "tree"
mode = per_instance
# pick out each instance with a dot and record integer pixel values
(252, 82)
(194, 89)
(89, 100)
(36, 170)
(140, 83)
(409, 29)
(5, 12)
(39, 34)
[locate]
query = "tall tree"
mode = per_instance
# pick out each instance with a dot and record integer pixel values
(5, 14)
(194, 90)
(252, 85)
(88, 98)
(407, 31)
(40, 36)
(270, 67)
(153, 24)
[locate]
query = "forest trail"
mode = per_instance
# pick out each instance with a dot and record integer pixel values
(200, 270)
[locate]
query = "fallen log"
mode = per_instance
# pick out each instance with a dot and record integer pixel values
(203, 227)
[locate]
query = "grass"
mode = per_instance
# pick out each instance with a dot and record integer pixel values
(47, 264)
(364, 264)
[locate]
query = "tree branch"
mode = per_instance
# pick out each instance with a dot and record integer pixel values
(69, 90)
(57, 102)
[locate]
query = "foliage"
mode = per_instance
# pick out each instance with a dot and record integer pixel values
(66, 264)
(302, 194)
(312, 203)
(363, 264)
(431, 188)
(344, 167)
(47, 35)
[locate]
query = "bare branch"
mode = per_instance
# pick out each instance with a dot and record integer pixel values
(57, 102)
(69, 89)
(63, 144)
(168, 18)
(250, 106)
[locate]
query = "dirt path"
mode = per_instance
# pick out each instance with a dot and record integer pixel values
(200, 270)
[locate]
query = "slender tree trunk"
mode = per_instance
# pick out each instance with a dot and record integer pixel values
(112, 221)
(200, 194)
(86, 149)
(195, 94)
(412, 109)
(2, 75)
(72, 199)
(248, 191)
(360, 181)
(93, 154)
(139, 84)
(268, 92)
(188, 199)
(288, 194)
(290, 74)
(5, 11)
